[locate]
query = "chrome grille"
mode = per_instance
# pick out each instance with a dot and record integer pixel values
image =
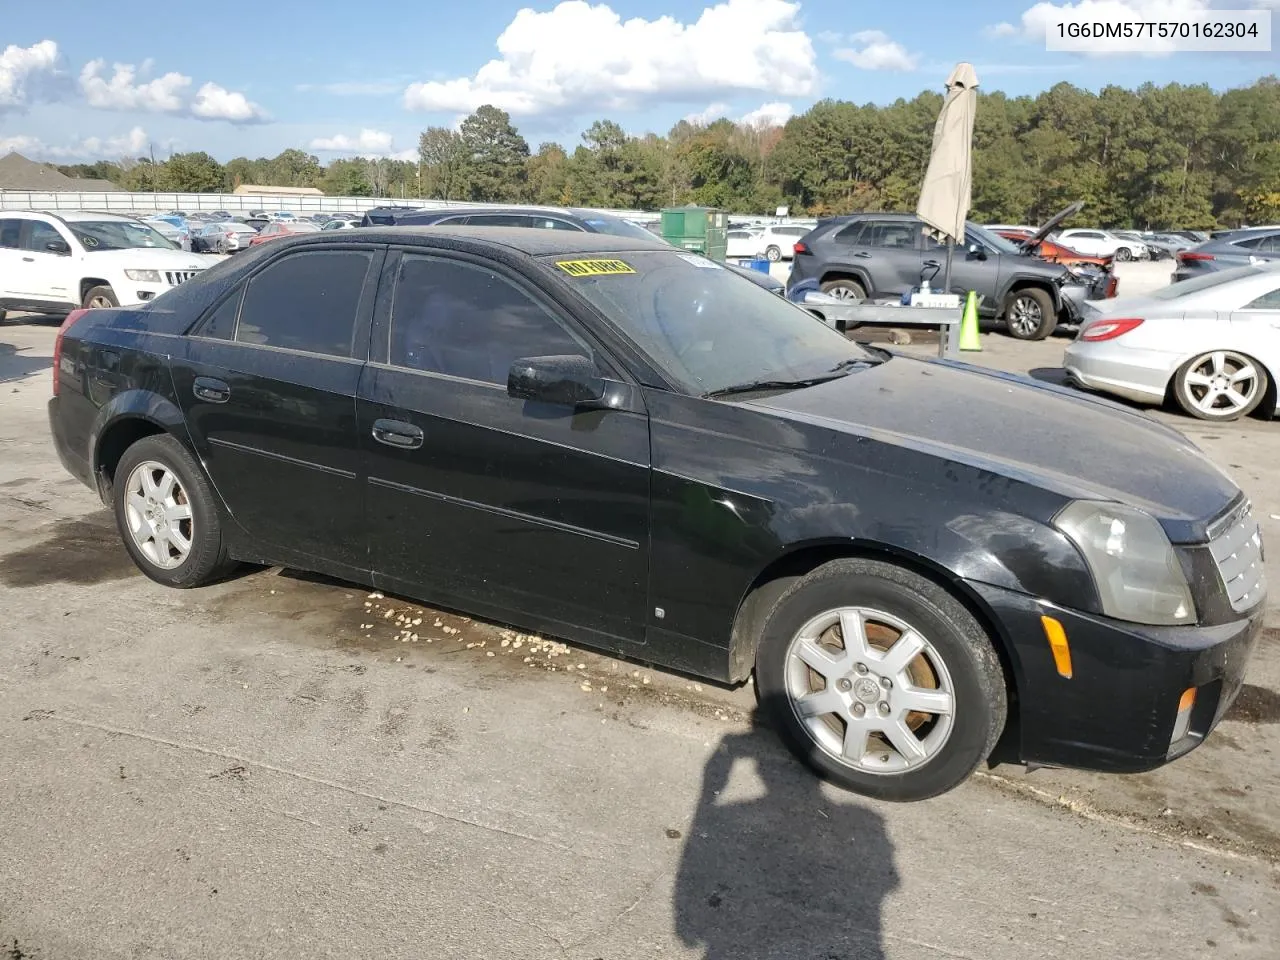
(1237, 550)
(175, 277)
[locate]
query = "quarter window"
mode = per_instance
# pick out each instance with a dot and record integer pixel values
(307, 301)
(467, 321)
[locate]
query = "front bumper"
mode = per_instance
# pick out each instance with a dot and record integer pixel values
(1073, 296)
(1133, 373)
(1117, 710)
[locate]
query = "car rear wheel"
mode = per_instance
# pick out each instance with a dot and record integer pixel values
(1220, 385)
(844, 289)
(1029, 314)
(99, 297)
(880, 680)
(1124, 253)
(166, 514)
(773, 253)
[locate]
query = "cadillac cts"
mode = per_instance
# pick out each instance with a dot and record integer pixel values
(630, 447)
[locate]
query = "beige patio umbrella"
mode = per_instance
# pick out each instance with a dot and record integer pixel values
(945, 196)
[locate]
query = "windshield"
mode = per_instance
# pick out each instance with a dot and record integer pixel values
(616, 227)
(96, 235)
(993, 240)
(704, 326)
(1196, 284)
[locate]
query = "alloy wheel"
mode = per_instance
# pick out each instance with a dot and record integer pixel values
(158, 514)
(871, 690)
(843, 293)
(1222, 383)
(99, 303)
(1025, 316)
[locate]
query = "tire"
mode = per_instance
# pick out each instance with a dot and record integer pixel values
(1200, 385)
(1123, 254)
(99, 298)
(1029, 314)
(844, 289)
(773, 254)
(205, 558)
(958, 660)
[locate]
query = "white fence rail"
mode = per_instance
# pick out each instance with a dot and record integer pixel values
(190, 202)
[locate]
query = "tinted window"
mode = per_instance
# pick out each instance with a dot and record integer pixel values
(1268, 301)
(851, 234)
(467, 321)
(39, 235)
(793, 231)
(888, 233)
(9, 231)
(307, 301)
(221, 324)
(551, 223)
(1263, 244)
(498, 220)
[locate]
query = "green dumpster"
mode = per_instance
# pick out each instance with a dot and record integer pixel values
(703, 230)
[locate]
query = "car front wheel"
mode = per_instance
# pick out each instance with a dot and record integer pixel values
(880, 680)
(166, 514)
(773, 253)
(98, 297)
(1124, 253)
(1220, 385)
(1029, 315)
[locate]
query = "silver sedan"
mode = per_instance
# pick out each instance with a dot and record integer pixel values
(1211, 343)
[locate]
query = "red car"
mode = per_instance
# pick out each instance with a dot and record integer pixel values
(283, 228)
(1035, 244)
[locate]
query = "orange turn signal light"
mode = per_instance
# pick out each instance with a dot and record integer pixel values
(1057, 638)
(1188, 700)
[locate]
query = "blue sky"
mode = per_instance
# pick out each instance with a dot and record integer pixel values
(76, 83)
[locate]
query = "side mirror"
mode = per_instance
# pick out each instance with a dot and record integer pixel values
(566, 380)
(58, 246)
(977, 252)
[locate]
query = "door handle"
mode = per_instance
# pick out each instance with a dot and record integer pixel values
(28, 259)
(862, 255)
(397, 433)
(214, 391)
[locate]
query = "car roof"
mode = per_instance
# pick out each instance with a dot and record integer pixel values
(498, 211)
(533, 243)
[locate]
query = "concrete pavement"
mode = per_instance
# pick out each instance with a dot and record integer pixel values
(249, 770)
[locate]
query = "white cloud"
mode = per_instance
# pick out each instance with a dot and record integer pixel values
(774, 114)
(578, 56)
(874, 50)
(131, 144)
(353, 88)
(1036, 20)
(704, 117)
(410, 154)
(831, 37)
(367, 141)
(162, 95)
(19, 67)
(213, 102)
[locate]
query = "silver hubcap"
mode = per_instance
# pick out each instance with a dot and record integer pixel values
(98, 302)
(870, 689)
(1025, 316)
(843, 293)
(1221, 383)
(158, 514)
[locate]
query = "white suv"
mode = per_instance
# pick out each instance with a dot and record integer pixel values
(778, 240)
(1100, 243)
(54, 263)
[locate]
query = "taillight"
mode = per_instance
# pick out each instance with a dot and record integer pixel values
(1108, 329)
(1186, 255)
(801, 248)
(72, 317)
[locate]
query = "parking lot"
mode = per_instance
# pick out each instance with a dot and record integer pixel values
(285, 766)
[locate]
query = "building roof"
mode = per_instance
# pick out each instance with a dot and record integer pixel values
(19, 173)
(250, 189)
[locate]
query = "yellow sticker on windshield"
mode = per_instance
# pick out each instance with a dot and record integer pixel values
(594, 268)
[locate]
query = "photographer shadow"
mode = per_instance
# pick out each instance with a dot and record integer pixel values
(776, 866)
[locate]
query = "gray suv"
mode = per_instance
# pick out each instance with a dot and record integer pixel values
(1236, 248)
(884, 255)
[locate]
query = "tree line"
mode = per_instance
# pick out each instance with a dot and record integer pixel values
(1171, 156)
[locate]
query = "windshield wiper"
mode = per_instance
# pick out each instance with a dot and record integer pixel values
(756, 386)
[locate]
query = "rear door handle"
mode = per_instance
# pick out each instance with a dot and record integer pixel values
(397, 433)
(28, 259)
(862, 255)
(214, 391)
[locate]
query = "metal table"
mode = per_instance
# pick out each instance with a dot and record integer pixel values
(946, 319)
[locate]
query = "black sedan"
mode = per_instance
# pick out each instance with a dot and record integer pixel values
(581, 434)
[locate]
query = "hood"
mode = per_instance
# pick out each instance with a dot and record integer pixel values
(1048, 226)
(153, 258)
(1043, 435)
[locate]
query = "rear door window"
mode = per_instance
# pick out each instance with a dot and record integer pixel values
(10, 231)
(896, 234)
(306, 301)
(852, 234)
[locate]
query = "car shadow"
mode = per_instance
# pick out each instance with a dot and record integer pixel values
(15, 364)
(777, 865)
(1055, 375)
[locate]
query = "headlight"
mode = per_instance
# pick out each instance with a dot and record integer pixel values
(1134, 566)
(143, 276)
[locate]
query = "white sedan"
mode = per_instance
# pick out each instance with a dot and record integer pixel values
(1212, 343)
